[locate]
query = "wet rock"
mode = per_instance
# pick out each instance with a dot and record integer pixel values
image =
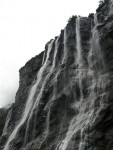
(65, 97)
(3, 114)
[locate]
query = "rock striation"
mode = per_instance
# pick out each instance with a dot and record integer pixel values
(65, 97)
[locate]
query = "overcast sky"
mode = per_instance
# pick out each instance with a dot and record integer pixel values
(25, 27)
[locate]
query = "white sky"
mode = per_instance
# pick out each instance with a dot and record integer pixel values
(25, 27)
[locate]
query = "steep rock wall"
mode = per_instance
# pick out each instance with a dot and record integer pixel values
(65, 97)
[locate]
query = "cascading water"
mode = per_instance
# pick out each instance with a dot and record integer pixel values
(7, 122)
(72, 128)
(95, 56)
(68, 102)
(29, 103)
(78, 42)
(41, 91)
(83, 119)
(65, 46)
(43, 58)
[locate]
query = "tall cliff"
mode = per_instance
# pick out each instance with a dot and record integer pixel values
(65, 97)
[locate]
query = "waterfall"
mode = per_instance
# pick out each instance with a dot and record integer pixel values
(41, 91)
(43, 58)
(29, 103)
(79, 122)
(79, 60)
(96, 61)
(75, 92)
(65, 46)
(78, 42)
(73, 127)
(7, 122)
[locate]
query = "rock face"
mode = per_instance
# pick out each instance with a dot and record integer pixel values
(3, 114)
(65, 97)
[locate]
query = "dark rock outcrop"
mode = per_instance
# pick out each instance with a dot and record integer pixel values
(65, 97)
